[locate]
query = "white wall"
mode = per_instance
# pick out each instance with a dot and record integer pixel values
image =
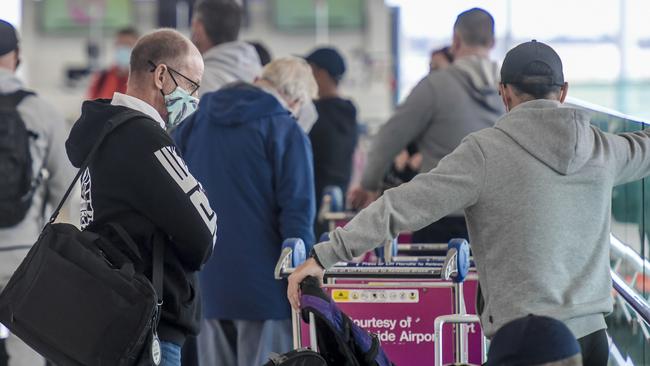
(45, 57)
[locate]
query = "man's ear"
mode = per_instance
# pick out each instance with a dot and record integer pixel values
(16, 58)
(159, 76)
(456, 42)
(505, 96)
(564, 91)
(294, 106)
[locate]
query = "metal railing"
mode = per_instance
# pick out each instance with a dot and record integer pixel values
(634, 305)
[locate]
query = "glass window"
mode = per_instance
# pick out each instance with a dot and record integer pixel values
(11, 11)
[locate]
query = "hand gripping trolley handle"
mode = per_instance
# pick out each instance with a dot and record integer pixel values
(453, 267)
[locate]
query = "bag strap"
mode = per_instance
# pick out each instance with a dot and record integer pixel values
(158, 254)
(111, 124)
(126, 238)
(12, 100)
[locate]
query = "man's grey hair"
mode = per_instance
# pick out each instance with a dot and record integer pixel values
(475, 27)
(292, 77)
(162, 46)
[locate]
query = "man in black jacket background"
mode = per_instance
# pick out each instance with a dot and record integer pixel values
(137, 179)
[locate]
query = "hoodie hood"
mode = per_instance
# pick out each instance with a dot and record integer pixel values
(339, 113)
(558, 136)
(94, 116)
(480, 77)
(239, 103)
(230, 62)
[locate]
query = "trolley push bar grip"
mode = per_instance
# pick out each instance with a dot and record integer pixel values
(332, 208)
(454, 267)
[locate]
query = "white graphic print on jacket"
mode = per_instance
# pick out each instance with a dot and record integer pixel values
(86, 200)
(177, 169)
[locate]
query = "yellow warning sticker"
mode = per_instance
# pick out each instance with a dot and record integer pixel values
(341, 295)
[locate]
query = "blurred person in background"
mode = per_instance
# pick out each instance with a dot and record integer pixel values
(262, 51)
(38, 136)
(215, 32)
(113, 79)
(442, 109)
(262, 197)
(440, 58)
(334, 136)
(407, 163)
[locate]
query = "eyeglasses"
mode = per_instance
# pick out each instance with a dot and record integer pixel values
(195, 85)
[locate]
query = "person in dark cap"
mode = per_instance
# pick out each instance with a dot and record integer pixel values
(534, 340)
(45, 142)
(536, 191)
(334, 135)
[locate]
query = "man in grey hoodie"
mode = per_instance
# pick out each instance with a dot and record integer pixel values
(440, 111)
(215, 29)
(47, 150)
(536, 191)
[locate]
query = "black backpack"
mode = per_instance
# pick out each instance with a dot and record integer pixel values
(16, 172)
(340, 341)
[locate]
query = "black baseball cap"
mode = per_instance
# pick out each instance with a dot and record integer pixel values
(532, 340)
(516, 65)
(328, 59)
(8, 38)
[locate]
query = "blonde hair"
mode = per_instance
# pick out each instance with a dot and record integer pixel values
(292, 77)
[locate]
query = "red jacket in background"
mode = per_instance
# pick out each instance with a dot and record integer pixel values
(107, 82)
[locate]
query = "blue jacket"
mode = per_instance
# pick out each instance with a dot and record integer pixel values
(255, 164)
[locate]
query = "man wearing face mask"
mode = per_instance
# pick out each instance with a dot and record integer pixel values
(263, 196)
(138, 180)
(113, 79)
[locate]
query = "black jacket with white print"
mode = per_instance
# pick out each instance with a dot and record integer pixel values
(138, 180)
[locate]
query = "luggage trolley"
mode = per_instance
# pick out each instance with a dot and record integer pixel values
(430, 289)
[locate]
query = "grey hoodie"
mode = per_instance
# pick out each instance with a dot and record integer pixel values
(536, 190)
(440, 111)
(227, 63)
(47, 151)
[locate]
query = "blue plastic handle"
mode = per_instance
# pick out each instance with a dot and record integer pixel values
(380, 253)
(324, 237)
(462, 258)
(336, 198)
(299, 253)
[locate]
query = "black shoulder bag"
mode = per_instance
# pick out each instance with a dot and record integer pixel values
(78, 300)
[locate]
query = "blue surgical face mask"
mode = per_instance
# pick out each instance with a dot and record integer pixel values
(122, 57)
(180, 104)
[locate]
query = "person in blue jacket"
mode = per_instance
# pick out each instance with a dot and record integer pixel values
(255, 163)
